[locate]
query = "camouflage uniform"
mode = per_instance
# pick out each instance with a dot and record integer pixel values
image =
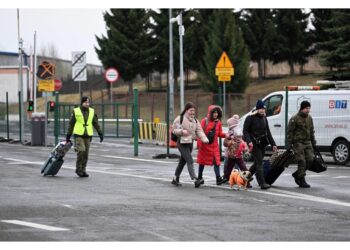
(301, 137)
(82, 143)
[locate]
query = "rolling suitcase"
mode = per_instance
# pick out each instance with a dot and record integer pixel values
(54, 163)
(277, 163)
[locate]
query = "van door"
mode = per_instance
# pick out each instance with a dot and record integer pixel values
(275, 117)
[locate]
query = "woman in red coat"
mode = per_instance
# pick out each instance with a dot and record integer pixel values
(209, 154)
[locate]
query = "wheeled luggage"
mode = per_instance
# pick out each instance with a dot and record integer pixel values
(277, 163)
(54, 163)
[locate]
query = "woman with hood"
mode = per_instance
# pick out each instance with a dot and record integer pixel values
(209, 154)
(187, 129)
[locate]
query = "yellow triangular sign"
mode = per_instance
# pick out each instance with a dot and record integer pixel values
(224, 61)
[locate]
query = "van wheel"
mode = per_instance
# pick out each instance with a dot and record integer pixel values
(341, 152)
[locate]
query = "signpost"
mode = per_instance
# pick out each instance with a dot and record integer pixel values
(111, 75)
(224, 70)
(79, 70)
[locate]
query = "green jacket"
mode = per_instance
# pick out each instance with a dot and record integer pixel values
(85, 112)
(301, 129)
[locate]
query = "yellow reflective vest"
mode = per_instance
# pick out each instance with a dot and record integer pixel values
(80, 125)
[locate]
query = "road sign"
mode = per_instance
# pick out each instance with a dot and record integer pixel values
(224, 78)
(46, 85)
(79, 70)
(224, 66)
(46, 71)
(58, 84)
(111, 75)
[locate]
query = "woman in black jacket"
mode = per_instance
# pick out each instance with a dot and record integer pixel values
(257, 134)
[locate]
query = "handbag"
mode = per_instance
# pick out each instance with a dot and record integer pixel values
(318, 165)
(211, 134)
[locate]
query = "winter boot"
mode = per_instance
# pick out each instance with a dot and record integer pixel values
(303, 183)
(176, 181)
(296, 178)
(197, 183)
(261, 180)
(219, 180)
(201, 181)
(224, 180)
(265, 186)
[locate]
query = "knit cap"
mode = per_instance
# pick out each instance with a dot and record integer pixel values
(304, 104)
(233, 121)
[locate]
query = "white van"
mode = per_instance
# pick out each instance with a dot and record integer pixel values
(330, 110)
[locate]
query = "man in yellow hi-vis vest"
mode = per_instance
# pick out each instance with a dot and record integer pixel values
(82, 120)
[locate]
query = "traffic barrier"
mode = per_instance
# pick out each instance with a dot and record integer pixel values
(161, 135)
(146, 131)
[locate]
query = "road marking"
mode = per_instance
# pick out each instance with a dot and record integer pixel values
(35, 225)
(341, 177)
(137, 159)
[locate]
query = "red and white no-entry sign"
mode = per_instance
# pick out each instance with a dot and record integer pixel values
(111, 75)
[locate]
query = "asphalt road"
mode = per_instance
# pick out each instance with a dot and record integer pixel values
(129, 198)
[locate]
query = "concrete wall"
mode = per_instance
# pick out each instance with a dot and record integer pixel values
(9, 83)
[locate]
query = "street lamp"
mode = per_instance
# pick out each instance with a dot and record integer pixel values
(178, 19)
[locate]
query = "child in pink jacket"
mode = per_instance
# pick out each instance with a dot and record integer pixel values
(235, 148)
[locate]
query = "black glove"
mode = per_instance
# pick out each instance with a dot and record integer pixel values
(314, 146)
(101, 137)
(290, 148)
(68, 137)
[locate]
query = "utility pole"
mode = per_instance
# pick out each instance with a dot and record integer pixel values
(20, 78)
(34, 73)
(171, 70)
(181, 34)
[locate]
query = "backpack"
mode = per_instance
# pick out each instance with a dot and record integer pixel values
(173, 136)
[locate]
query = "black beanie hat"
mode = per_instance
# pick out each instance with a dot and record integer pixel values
(304, 104)
(84, 99)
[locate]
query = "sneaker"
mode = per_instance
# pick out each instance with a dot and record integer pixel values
(249, 185)
(201, 181)
(175, 182)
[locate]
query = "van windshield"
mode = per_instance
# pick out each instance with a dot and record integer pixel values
(273, 105)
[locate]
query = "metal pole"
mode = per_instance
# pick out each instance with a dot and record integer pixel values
(136, 123)
(286, 121)
(181, 33)
(171, 70)
(20, 115)
(47, 117)
(224, 98)
(34, 74)
(7, 115)
(20, 78)
(57, 118)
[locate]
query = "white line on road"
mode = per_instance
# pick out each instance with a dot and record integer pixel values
(35, 225)
(341, 177)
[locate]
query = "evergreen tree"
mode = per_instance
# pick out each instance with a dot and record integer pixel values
(259, 35)
(320, 22)
(124, 46)
(224, 35)
(337, 47)
(293, 40)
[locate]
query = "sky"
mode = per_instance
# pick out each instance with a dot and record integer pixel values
(67, 30)
(71, 25)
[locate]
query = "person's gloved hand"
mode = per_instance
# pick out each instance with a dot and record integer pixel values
(68, 136)
(101, 137)
(290, 148)
(314, 145)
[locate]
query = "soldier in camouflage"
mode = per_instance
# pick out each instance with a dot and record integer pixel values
(301, 138)
(82, 120)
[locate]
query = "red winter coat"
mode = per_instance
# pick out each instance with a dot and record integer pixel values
(208, 152)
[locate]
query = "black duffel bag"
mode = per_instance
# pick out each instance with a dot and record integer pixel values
(318, 165)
